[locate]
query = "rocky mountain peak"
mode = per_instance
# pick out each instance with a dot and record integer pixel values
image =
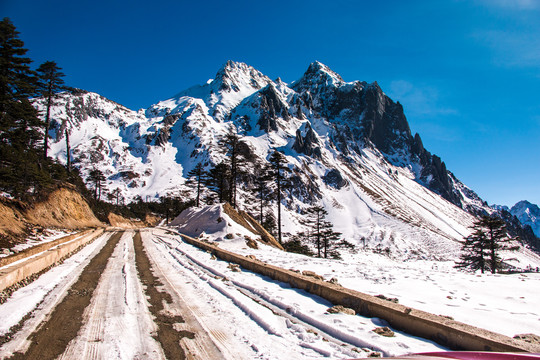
(318, 75)
(528, 214)
(238, 76)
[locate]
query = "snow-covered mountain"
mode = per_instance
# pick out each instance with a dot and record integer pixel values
(528, 214)
(349, 147)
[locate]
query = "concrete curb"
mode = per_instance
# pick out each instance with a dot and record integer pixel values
(17, 272)
(449, 333)
(39, 248)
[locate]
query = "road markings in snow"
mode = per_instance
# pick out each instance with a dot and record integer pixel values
(201, 345)
(118, 323)
(168, 333)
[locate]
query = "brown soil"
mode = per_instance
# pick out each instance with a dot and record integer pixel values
(152, 220)
(244, 219)
(65, 209)
(121, 222)
(52, 338)
(167, 335)
(12, 224)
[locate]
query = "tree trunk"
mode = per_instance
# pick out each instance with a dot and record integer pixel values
(279, 206)
(47, 120)
(68, 152)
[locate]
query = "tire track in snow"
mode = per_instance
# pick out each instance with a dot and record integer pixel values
(52, 338)
(167, 335)
(294, 320)
(118, 324)
(201, 346)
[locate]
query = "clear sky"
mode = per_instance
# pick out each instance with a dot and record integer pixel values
(466, 71)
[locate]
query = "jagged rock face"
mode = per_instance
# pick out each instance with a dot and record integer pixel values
(334, 179)
(516, 228)
(362, 114)
(528, 214)
(347, 145)
(307, 144)
(271, 107)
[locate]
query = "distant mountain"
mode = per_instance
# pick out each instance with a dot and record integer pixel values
(348, 145)
(528, 214)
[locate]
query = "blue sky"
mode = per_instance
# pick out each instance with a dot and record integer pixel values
(466, 71)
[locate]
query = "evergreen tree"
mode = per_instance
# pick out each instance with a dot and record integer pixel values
(196, 179)
(20, 168)
(17, 80)
(68, 151)
(50, 82)
(218, 181)
(232, 143)
(314, 220)
(278, 172)
(473, 252)
(262, 191)
(481, 250)
(331, 240)
(97, 178)
(322, 234)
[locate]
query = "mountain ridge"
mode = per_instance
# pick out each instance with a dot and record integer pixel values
(341, 139)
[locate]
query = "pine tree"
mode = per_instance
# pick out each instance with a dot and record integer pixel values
(196, 179)
(331, 240)
(97, 178)
(322, 234)
(262, 191)
(232, 143)
(17, 80)
(314, 220)
(278, 172)
(473, 251)
(481, 250)
(50, 82)
(20, 168)
(218, 181)
(68, 151)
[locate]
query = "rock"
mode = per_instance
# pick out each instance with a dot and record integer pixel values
(312, 274)
(530, 338)
(384, 331)
(394, 300)
(5, 251)
(341, 309)
(229, 236)
(307, 144)
(334, 281)
(251, 243)
(334, 179)
(234, 267)
(252, 257)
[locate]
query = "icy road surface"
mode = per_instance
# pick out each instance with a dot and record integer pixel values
(149, 295)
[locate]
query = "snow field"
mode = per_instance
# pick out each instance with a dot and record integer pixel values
(302, 317)
(503, 303)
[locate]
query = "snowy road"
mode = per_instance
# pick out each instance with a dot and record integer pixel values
(148, 295)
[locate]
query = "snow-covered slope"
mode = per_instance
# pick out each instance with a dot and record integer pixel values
(348, 145)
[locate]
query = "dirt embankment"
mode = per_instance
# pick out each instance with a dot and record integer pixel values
(63, 209)
(244, 219)
(121, 222)
(12, 222)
